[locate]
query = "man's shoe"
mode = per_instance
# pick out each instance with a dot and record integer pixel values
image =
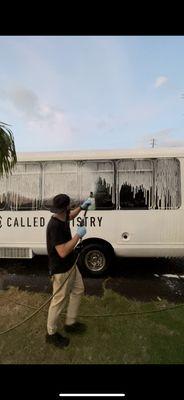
(77, 327)
(57, 339)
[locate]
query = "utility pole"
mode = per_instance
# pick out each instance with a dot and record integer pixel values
(153, 142)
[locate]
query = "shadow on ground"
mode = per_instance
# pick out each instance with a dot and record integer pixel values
(141, 279)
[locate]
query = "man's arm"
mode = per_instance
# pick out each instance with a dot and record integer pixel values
(74, 213)
(65, 248)
(77, 210)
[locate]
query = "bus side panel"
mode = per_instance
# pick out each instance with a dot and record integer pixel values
(24, 229)
(138, 233)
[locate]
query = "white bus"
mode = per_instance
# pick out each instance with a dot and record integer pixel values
(137, 210)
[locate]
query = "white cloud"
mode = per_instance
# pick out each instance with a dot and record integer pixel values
(46, 122)
(31, 107)
(163, 134)
(163, 138)
(160, 81)
(171, 142)
(25, 101)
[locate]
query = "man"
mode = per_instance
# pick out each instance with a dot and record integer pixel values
(60, 247)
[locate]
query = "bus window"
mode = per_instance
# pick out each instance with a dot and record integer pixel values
(24, 187)
(3, 193)
(135, 184)
(167, 184)
(98, 177)
(60, 177)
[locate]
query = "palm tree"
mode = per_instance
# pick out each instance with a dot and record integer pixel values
(8, 157)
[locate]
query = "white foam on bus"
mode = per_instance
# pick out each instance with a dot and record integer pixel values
(170, 276)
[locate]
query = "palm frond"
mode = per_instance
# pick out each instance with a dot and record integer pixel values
(8, 157)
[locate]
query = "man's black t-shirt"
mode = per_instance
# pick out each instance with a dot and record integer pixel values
(58, 232)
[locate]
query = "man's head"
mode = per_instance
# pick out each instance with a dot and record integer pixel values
(61, 203)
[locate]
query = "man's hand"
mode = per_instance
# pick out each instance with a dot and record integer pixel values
(86, 204)
(76, 211)
(81, 231)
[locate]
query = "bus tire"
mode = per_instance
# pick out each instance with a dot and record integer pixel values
(95, 258)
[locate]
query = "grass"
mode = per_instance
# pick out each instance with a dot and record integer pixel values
(155, 338)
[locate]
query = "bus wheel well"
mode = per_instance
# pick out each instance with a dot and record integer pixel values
(102, 242)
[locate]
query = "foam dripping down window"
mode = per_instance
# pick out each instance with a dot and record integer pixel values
(149, 184)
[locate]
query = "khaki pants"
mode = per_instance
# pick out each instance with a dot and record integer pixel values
(72, 288)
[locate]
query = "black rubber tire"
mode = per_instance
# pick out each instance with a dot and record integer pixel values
(95, 258)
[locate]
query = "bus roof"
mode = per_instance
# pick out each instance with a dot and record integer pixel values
(102, 154)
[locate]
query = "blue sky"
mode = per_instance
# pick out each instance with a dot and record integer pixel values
(92, 92)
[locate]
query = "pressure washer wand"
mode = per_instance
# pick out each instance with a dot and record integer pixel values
(83, 219)
(82, 224)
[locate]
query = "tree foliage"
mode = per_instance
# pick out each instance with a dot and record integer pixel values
(8, 157)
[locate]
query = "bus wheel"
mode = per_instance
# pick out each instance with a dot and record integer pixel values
(95, 258)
